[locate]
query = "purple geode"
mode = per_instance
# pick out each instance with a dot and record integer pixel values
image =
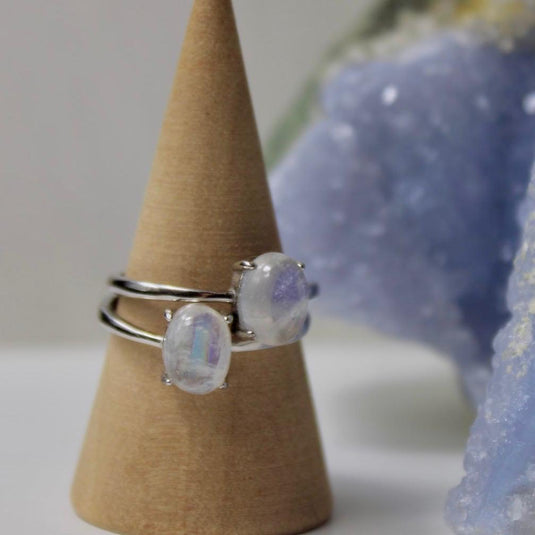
(497, 495)
(402, 197)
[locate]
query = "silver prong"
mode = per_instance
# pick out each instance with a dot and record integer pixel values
(224, 386)
(168, 314)
(301, 265)
(229, 318)
(244, 265)
(166, 380)
(246, 335)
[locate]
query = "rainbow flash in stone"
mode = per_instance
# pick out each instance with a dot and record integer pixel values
(196, 349)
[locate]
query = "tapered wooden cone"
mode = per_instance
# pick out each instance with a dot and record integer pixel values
(246, 460)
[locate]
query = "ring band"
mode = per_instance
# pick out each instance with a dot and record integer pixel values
(268, 301)
(121, 285)
(113, 322)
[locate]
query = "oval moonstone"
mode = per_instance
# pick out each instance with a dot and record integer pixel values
(273, 299)
(196, 349)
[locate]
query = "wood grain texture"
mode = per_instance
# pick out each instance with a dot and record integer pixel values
(246, 460)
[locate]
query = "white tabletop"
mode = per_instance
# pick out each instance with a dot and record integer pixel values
(391, 416)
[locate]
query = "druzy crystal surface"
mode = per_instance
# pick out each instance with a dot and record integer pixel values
(497, 496)
(273, 299)
(197, 349)
(402, 196)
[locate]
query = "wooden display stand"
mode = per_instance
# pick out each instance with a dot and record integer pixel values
(246, 460)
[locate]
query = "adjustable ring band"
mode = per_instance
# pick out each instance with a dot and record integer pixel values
(268, 301)
(113, 322)
(121, 285)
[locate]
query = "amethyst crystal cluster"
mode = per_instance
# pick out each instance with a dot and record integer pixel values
(402, 197)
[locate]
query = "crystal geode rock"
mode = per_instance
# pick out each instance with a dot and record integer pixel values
(401, 198)
(497, 495)
(406, 198)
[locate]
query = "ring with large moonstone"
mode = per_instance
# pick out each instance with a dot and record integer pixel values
(268, 302)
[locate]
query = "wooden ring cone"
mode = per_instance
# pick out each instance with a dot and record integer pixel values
(246, 460)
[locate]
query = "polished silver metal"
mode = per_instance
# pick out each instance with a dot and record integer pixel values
(109, 318)
(241, 341)
(121, 285)
(244, 265)
(166, 380)
(245, 335)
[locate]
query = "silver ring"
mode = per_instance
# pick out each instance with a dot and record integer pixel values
(268, 306)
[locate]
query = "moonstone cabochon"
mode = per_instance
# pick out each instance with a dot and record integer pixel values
(196, 349)
(273, 299)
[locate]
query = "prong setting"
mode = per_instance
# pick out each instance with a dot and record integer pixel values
(244, 265)
(166, 380)
(301, 265)
(248, 336)
(168, 314)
